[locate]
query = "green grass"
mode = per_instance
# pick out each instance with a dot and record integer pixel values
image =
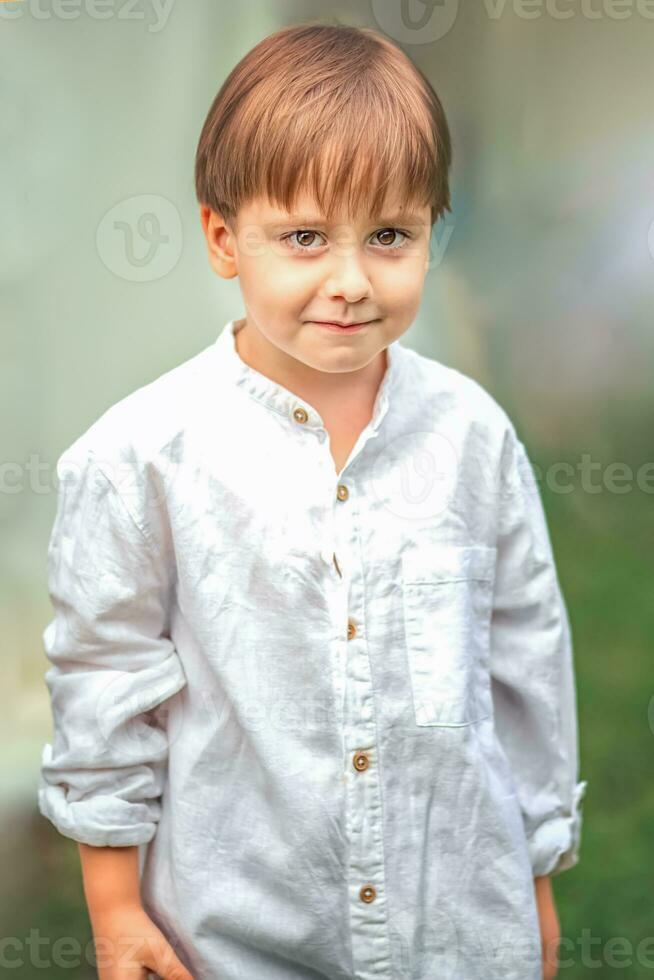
(604, 560)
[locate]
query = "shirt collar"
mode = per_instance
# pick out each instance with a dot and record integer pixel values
(285, 402)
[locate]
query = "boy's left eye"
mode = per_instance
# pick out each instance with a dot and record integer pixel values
(305, 238)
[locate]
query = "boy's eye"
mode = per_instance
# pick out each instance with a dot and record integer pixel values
(304, 238)
(304, 242)
(394, 232)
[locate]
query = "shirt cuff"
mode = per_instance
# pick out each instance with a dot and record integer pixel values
(103, 820)
(554, 847)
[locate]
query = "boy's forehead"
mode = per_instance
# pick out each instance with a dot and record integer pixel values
(307, 211)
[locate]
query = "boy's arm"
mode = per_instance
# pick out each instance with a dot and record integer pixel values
(550, 928)
(127, 942)
(113, 661)
(111, 878)
(532, 676)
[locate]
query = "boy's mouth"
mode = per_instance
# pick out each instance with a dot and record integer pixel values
(343, 327)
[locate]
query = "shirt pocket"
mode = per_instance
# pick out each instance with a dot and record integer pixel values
(447, 597)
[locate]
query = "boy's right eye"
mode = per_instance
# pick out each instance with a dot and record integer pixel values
(303, 233)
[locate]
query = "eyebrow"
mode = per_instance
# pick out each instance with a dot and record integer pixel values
(402, 217)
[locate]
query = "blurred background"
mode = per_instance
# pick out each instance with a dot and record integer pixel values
(541, 287)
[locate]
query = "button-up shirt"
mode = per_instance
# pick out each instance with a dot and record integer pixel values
(336, 710)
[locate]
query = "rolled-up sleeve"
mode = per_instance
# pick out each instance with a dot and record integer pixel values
(113, 663)
(532, 671)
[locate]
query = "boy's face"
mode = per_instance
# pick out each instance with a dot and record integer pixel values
(295, 270)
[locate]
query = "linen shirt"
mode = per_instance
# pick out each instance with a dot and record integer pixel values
(335, 710)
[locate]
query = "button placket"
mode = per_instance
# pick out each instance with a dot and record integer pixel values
(366, 855)
(342, 493)
(362, 775)
(325, 465)
(328, 552)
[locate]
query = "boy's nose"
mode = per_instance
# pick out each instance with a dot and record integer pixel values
(348, 277)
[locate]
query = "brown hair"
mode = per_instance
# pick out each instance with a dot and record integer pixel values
(337, 110)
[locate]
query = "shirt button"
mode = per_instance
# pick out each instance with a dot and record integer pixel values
(299, 414)
(368, 893)
(342, 493)
(351, 629)
(360, 761)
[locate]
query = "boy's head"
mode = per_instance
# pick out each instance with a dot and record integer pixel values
(321, 169)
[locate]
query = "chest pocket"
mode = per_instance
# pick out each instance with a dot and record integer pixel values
(448, 597)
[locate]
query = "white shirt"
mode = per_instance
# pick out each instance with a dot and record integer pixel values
(339, 710)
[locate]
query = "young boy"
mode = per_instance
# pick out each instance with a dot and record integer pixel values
(309, 643)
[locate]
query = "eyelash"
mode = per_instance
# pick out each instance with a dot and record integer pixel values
(384, 248)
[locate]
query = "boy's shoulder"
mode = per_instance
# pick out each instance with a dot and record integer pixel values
(137, 426)
(450, 392)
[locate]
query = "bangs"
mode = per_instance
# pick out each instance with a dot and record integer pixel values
(356, 127)
(350, 160)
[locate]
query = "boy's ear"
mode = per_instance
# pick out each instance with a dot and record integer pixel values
(220, 243)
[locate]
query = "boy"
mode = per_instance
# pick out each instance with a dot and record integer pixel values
(309, 642)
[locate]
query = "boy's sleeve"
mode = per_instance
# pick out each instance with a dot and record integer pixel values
(532, 672)
(112, 662)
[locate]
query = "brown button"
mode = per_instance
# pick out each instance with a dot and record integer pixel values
(300, 415)
(360, 761)
(351, 629)
(368, 893)
(342, 493)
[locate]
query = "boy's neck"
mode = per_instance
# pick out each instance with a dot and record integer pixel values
(339, 397)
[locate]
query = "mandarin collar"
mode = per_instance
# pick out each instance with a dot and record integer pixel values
(281, 400)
